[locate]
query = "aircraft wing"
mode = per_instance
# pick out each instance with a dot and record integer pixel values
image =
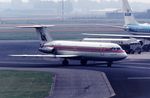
(112, 26)
(118, 35)
(49, 56)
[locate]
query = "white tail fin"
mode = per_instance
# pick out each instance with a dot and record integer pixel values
(42, 33)
(128, 14)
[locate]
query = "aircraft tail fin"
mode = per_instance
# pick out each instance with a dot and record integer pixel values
(42, 32)
(128, 14)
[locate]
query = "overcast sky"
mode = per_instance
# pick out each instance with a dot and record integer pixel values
(144, 1)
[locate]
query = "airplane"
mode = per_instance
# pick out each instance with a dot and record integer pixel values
(75, 50)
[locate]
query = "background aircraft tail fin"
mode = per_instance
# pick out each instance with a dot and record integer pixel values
(128, 14)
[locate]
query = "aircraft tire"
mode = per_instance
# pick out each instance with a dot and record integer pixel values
(83, 62)
(65, 62)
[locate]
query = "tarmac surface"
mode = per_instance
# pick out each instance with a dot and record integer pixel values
(129, 78)
(75, 83)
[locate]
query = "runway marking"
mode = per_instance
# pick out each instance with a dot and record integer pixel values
(134, 67)
(139, 78)
(132, 63)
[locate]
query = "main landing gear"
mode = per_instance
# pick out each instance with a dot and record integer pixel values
(65, 62)
(83, 62)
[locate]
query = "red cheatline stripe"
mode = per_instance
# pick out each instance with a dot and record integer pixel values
(87, 49)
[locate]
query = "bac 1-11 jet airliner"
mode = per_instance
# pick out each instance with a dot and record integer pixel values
(75, 50)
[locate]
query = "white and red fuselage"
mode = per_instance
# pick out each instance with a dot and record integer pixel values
(87, 50)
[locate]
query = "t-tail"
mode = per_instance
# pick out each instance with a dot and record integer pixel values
(44, 37)
(42, 32)
(128, 14)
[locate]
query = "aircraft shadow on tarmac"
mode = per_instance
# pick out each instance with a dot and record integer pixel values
(56, 65)
(73, 64)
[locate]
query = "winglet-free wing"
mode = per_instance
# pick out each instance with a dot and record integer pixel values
(49, 56)
(118, 35)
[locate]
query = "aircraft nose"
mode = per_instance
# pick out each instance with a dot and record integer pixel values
(125, 55)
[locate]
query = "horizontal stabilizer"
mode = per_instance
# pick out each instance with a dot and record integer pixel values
(42, 32)
(35, 26)
(50, 56)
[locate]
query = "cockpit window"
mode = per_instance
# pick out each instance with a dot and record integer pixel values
(115, 49)
(118, 48)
